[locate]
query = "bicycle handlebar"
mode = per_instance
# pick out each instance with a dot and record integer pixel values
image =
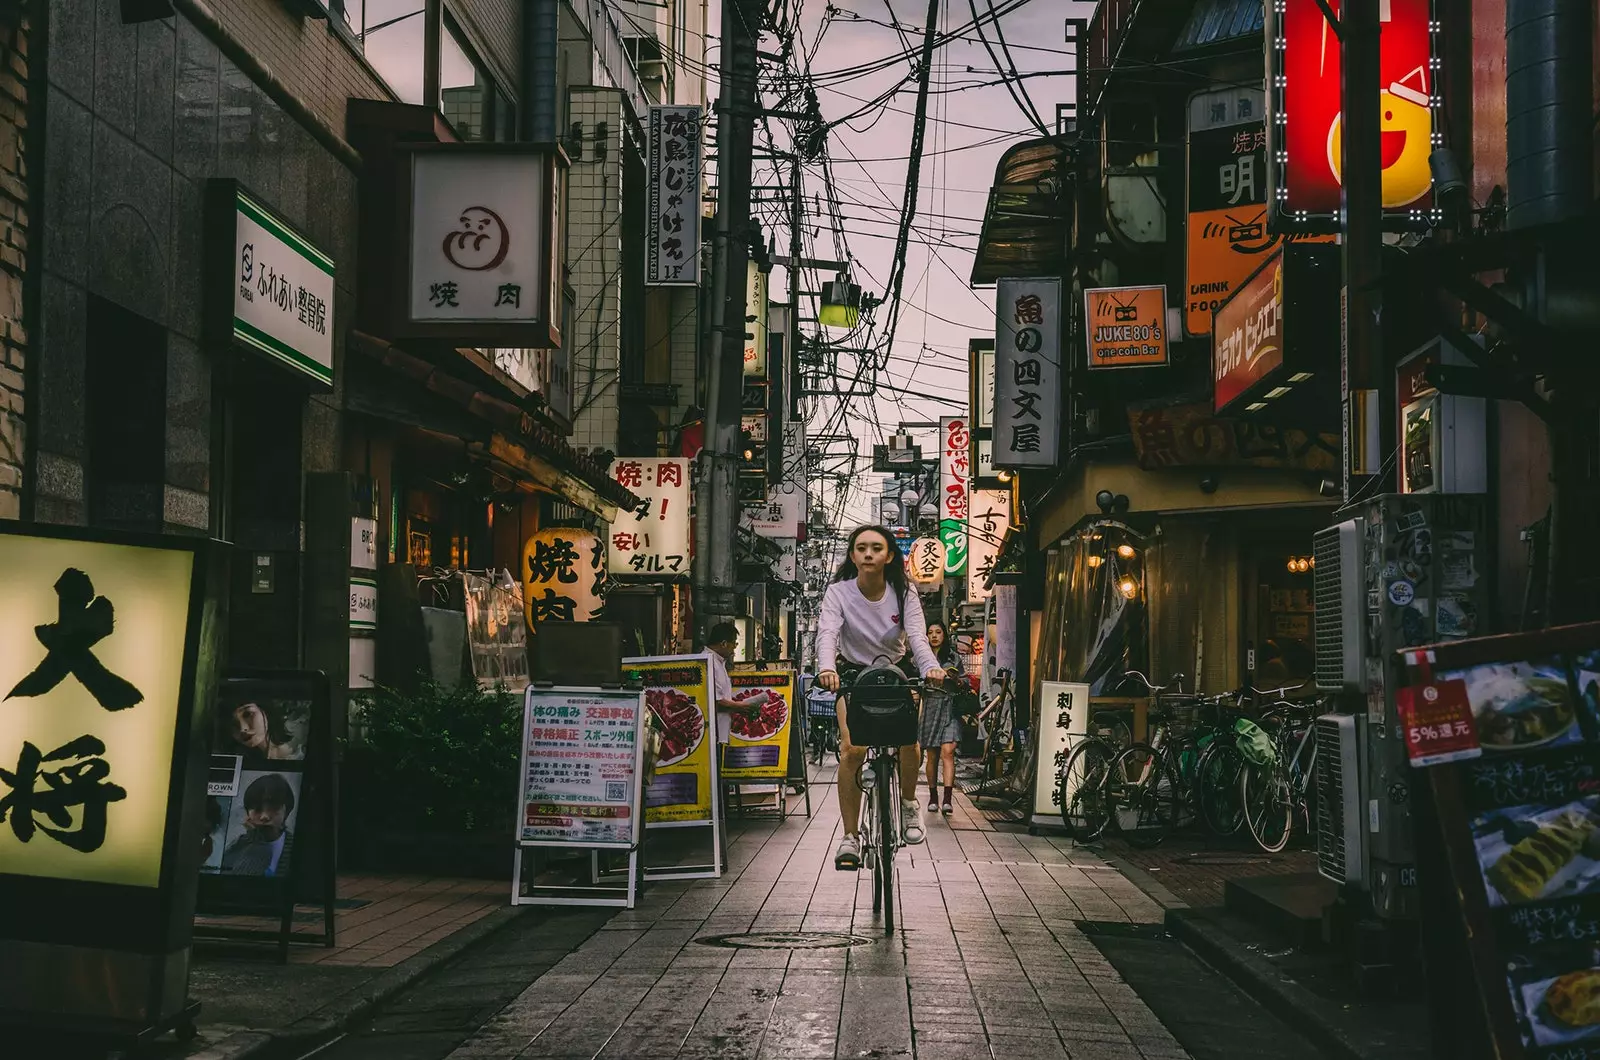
(1155, 689)
(1276, 693)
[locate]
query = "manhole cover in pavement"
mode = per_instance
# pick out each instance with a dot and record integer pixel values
(787, 940)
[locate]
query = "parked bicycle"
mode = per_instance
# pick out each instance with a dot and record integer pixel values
(1274, 793)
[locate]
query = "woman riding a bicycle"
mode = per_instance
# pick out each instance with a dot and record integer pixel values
(870, 615)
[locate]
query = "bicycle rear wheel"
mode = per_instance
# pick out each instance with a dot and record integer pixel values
(1217, 780)
(1268, 806)
(1141, 795)
(1082, 791)
(888, 806)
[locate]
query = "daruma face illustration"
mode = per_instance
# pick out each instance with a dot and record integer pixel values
(1407, 140)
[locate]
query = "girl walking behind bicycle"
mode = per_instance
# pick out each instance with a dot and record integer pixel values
(870, 615)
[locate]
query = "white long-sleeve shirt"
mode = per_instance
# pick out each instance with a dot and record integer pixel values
(871, 632)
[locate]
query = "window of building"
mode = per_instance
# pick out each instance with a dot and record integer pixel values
(391, 33)
(466, 94)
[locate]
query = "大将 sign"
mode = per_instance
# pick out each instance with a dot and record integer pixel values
(1126, 328)
(282, 294)
(1248, 337)
(482, 245)
(987, 522)
(1305, 128)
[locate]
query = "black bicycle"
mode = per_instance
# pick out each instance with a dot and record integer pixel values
(881, 715)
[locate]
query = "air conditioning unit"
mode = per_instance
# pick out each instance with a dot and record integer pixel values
(1339, 818)
(1340, 588)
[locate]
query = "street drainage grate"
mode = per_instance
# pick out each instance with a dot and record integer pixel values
(787, 940)
(1116, 929)
(1225, 859)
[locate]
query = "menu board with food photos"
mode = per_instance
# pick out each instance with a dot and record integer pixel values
(1520, 818)
(758, 745)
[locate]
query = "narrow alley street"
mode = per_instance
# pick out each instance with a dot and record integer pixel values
(1013, 946)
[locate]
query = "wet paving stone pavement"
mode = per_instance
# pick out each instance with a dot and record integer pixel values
(782, 959)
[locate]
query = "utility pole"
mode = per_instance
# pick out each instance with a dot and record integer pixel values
(717, 521)
(1362, 196)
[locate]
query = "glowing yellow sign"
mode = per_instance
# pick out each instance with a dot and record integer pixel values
(92, 642)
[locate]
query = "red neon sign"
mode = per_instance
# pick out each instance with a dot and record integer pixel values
(1305, 124)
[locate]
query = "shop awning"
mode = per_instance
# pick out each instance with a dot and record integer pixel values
(1219, 22)
(495, 429)
(1025, 226)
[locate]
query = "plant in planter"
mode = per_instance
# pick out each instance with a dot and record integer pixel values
(436, 775)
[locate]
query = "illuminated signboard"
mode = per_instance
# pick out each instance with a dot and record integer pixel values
(1277, 335)
(1126, 326)
(1304, 127)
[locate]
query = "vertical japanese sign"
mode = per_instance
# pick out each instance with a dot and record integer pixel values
(1064, 710)
(1248, 339)
(987, 522)
(672, 254)
(755, 322)
(480, 244)
(781, 515)
(1126, 328)
(580, 767)
(653, 538)
(677, 692)
(955, 455)
(925, 562)
(92, 650)
(563, 576)
(1304, 128)
(758, 747)
(1226, 235)
(283, 300)
(1027, 364)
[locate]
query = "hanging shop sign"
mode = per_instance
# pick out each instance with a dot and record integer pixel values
(926, 562)
(1027, 342)
(1126, 327)
(758, 745)
(955, 457)
(677, 692)
(563, 576)
(363, 603)
(1191, 434)
(787, 565)
(987, 523)
(1064, 714)
(1503, 729)
(1304, 126)
(672, 255)
(755, 322)
(1277, 331)
(483, 264)
(652, 539)
(107, 648)
(270, 289)
(982, 354)
(781, 515)
(1226, 234)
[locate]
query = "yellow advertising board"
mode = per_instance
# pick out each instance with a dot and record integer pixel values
(92, 643)
(1126, 326)
(677, 692)
(758, 746)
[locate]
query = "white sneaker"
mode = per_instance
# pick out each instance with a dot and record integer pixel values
(911, 821)
(848, 857)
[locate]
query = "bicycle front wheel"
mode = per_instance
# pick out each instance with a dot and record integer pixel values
(1082, 791)
(1268, 807)
(888, 807)
(1141, 795)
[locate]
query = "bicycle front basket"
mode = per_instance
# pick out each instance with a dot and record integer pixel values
(879, 711)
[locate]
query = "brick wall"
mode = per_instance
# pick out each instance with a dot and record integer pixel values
(13, 250)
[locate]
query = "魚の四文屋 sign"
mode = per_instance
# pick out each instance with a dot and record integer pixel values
(672, 255)
(482, 245)
(1027, 343)
(654, 538)
(283, 289)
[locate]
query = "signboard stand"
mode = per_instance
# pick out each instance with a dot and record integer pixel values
(760, 751)
(684, 791)
(1063, 724)
(285, 716)
(582, 783)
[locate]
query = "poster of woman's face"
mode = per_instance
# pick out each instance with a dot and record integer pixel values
(261, 822)
(262, 729)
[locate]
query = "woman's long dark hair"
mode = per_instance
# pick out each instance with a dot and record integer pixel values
(946, 651)
(894, 570)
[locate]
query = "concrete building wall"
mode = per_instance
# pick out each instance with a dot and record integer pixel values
(594, 253)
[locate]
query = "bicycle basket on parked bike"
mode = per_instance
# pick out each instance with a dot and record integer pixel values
(879, 710)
